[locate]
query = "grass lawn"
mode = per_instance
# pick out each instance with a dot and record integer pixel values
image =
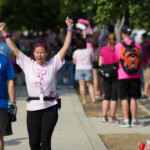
(114, 141)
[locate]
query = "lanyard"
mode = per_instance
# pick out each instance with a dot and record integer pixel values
(40, 75)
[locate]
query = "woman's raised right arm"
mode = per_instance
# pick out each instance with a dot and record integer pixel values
(9, 41)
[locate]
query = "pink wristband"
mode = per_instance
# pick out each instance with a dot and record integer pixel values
(70, 30)
(6, 36)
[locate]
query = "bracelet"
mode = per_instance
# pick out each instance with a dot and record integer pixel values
(6, 36)
(70, 30)
(13, 102)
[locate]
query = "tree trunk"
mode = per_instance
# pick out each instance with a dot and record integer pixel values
(118, 26)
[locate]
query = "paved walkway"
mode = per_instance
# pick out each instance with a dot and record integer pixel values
(74, 131)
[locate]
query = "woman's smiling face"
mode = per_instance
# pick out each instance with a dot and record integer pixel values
(40, 55)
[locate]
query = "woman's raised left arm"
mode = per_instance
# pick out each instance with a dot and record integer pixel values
(68, 38)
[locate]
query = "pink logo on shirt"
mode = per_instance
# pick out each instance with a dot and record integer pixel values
(40, 76)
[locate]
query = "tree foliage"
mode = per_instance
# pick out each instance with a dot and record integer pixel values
(39, 14)
(31, 14)
(140, 16)
(110, 10)
(44, 14)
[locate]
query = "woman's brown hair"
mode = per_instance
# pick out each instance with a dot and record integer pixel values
(111, 40)
(94, 42)
(41, 44)
(80, 43)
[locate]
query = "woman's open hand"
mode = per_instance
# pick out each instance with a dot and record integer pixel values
(69, 23)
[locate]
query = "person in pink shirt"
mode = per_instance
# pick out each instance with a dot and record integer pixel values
(146, 65)
(128, 85)
(110, 85)
(42, 104)
(82, 58)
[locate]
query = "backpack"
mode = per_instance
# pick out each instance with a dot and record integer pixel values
(130, 58)
(109, 71)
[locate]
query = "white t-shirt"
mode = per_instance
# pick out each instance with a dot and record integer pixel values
(37, 76)
(83, 59)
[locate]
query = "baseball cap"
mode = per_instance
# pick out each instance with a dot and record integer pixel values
(126, 30)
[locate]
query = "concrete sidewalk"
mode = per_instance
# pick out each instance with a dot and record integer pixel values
(114, 128)
(74, 131)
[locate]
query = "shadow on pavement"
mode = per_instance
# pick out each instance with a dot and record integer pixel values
(146, 123)
(14, 141)
(145, 120)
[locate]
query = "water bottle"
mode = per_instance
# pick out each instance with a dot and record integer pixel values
(11, 111)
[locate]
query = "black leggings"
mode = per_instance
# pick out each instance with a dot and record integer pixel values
(40, 125)
(111, 89)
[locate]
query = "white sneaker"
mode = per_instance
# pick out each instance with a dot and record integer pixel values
(104, 119)
(113, 120)
(137, 124)
(124, 124)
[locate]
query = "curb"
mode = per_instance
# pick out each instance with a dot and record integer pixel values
(93, 136)
(143, 108)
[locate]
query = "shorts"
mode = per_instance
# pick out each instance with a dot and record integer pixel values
(129, 88)
(146, 74)
(95, 64)
(5, 123)
(86, 75)
(110, 89)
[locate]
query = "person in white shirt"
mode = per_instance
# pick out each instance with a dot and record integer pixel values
(82, 57)
(42, 109)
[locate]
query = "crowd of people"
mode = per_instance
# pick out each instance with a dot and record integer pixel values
(95, 62)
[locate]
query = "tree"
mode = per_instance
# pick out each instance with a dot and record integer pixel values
(115, 10)
(30, 14)
(44, 14)
(39, 14)
(140, 16)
